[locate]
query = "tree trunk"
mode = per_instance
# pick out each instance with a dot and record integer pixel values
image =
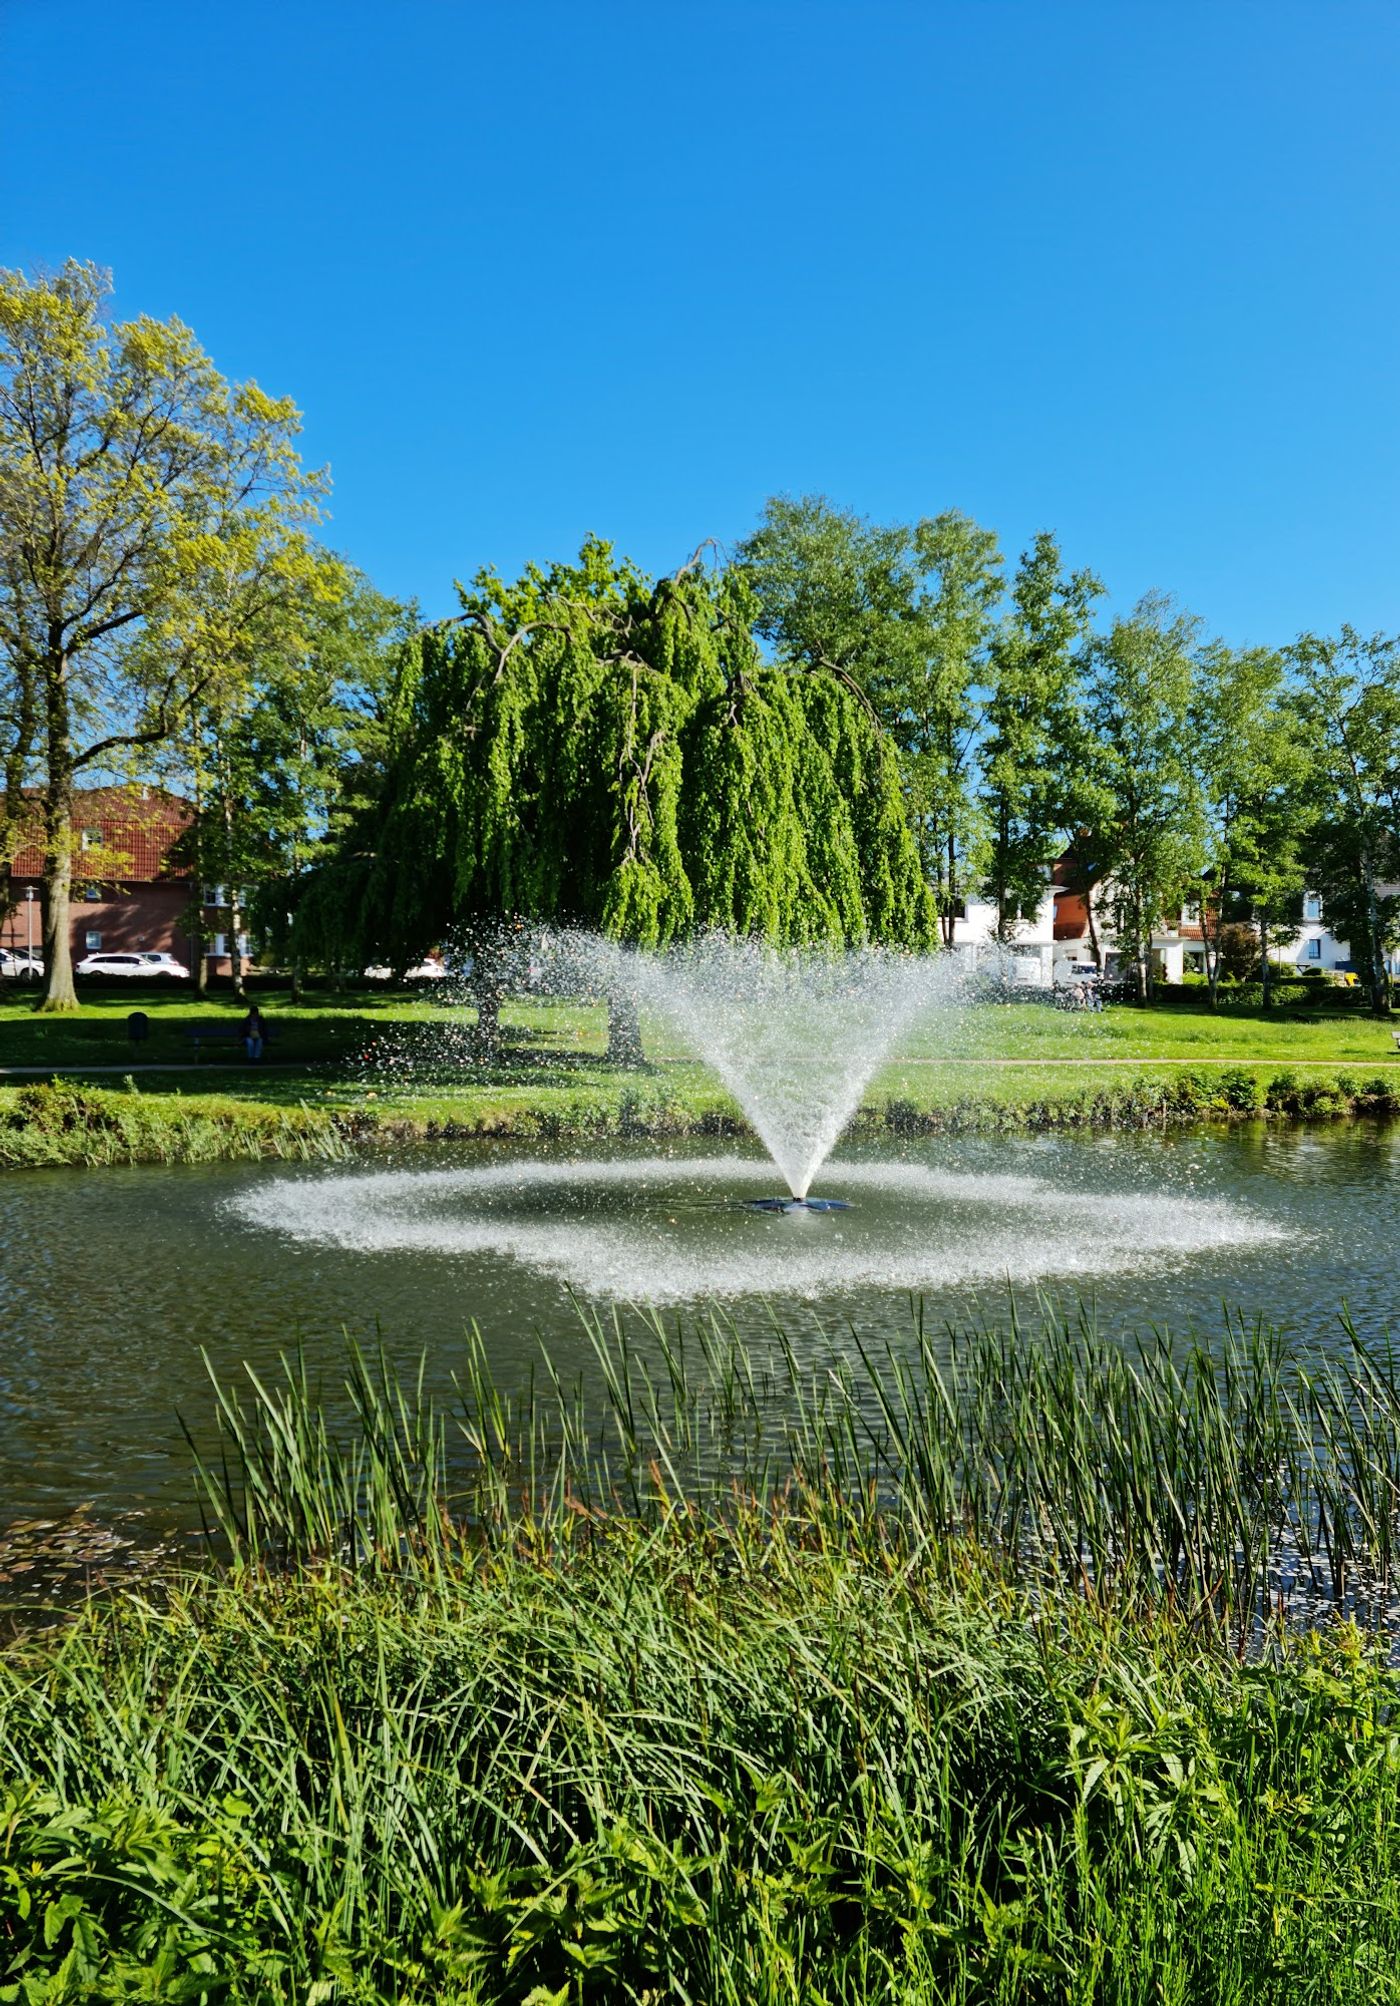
(1266, 962)
(1142, 957)
(487, 988)
(624, 1030)
(235, 952)
(235, 958)
(1375, 946)
(1210, 942)
(1094, 947)
(199, 939)
(59, 993)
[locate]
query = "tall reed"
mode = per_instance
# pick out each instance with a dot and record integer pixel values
(760, 1674)
(1222, 1480)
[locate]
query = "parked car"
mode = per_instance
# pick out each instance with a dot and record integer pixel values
(16, 966)
(131, 964)
(431, 970)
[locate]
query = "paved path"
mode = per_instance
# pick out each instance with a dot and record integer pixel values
(687, 1058)
(175, 1066)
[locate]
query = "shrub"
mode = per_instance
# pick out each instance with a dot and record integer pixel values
(59, 1107)
(1241, 1090)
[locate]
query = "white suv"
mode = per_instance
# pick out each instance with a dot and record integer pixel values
(130, 964)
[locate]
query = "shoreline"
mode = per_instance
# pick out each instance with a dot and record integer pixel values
(61, 1122)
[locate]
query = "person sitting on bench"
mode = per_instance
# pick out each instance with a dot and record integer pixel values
(253, 1032)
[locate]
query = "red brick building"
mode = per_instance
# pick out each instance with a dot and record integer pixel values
(129, 888)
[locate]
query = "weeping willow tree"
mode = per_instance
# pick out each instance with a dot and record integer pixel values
(588, 747)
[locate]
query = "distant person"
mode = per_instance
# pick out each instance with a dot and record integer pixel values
(254, 1032)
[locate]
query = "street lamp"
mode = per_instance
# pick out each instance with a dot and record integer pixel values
(29, 921)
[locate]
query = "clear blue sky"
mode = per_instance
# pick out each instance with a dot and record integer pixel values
(1124, 270)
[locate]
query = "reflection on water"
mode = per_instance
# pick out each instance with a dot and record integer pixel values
(113, 1282)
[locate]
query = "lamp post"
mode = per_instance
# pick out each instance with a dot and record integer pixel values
(29, 921)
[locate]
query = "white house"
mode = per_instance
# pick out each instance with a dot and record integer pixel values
(1314, 945)
(1053, 945)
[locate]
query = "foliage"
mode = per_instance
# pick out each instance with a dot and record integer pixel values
(907, 612)
(587, 747)
(1144, 805)
(586, 1733)
(148, 509)
(1348, 700)
(1034, 751)
(1252, 763)
(59, 1121)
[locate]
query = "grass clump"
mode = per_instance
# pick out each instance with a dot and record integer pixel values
(956, 1680)
(60, 1122)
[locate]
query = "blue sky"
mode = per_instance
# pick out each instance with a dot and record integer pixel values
(1126, 271)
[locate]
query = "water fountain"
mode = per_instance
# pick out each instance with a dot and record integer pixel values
(796, 1035)
(796, 1038)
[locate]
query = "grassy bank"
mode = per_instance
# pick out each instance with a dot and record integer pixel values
(363, 1069)
(868, 1685)
(60, 1122)
(162, 1121)
(387, 1031)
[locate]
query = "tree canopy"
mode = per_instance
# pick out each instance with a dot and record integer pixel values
(588, 746)
(150, 512)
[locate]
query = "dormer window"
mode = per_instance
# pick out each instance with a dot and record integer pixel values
(1312, 906)
(91, 839)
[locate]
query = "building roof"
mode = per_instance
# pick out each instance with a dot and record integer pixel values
(137, 829)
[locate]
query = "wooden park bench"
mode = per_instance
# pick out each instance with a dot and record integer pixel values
(222, 1032)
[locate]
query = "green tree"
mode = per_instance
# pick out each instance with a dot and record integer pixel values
(935, 706)
(587, 747)
(131, 473)
(1032, 752)
(283, 743)
(833, 590)
(1148, 835)
(1252, 765)
(1347, 694)
(905, 613)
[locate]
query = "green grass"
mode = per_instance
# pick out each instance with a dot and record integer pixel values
(401, 1067)
(791, 1683)
(52, 1122)
(365, 1027)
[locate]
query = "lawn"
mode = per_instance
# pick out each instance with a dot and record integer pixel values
(404, 1063)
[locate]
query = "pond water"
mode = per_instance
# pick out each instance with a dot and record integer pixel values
(114, 1283)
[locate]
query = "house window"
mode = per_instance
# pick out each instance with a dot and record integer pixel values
(219, 944)
(213, 895)
(1314, 950)
(92, 942)
(1312, 906)
(1191, 913)
(91, 839)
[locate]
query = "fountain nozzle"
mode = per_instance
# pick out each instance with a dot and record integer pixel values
(797, 1204)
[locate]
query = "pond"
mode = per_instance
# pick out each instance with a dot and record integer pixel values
(114, 1284)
